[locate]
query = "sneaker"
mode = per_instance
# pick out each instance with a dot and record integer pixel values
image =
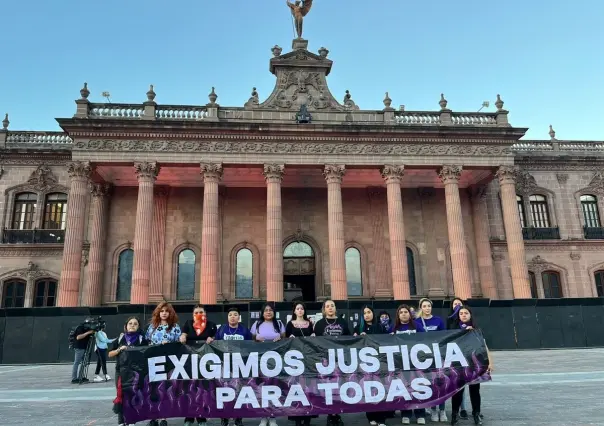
(463, 414)
(107, 377)
(382, 424)
(163, 423)
(421, 421)
(263, 421)
(372, 423)
(434, 416)
(477, 419)
(98, 379)
(224, 422)
(272, 421)
(74, 381)
(406, 421)
(443, 416)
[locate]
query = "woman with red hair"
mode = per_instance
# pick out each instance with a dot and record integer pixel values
(163, 328)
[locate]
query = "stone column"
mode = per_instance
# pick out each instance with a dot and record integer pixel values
(210, 234)
(513, 233)
(93, 288)
(462, 282)
(480, 220)
(69, 284)
(337, 260)
(158, 237)
(146, 173)
(396, 227)
(274, 233)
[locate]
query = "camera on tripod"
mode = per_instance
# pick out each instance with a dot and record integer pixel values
(94, 323)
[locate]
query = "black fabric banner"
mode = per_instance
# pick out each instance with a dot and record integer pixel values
(301, 376)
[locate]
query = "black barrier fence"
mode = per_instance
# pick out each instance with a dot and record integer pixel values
(40, 335)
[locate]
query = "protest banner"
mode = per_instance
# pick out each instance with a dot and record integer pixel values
(302, 376)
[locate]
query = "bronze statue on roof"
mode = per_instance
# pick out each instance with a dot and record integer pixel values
(299, 10)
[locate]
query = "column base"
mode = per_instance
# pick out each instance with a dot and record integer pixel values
(156, 298)
(383, 293)
(436, 293)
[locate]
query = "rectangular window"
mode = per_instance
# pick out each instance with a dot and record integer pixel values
(55, 211)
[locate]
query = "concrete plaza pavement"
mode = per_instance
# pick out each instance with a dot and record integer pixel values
(553, 387)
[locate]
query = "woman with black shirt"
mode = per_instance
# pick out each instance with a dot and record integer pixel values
(369, 324)
(467, 322)
(196, 331)
(331, 325)
(132, 336)
(299, 326)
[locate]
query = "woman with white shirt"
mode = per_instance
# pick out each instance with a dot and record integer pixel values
(101, 355)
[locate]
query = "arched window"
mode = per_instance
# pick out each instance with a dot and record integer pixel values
(521, 212)
(13, 295)
(45, 293)
(539, 211)
(185, 275)
(533, 282)
(244, 278)
(354, 277)
(589, 206)
(552, 288)
(124, 275)
(298, 249)
(55, 211)
(24, 210)
(599, 276)
(411, 269)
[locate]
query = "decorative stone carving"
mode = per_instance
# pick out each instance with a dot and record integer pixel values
(393, 173)
(42, 179)
(388, 103)
(79, 169)
(299, 235)
(151, 95)
(443, 102)
(348, 102)
(562, 178)
(597, 183)
(276, 145)
(5, 122)
(273, 171)
(146, 170)
(211, 171)
(25, 252)
(450, 174)
(85, 254)
(254, 100)
(31, 272)
(575, 255)
(499, 103)
(276, 51)
(525, 182)
(99, 189)
(213, 97)
(334, 173)
(323, 52)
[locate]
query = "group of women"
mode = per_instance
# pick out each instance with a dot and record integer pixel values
(164, 328)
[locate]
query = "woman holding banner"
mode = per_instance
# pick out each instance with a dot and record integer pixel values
(299, 326)
(466, 322)
(453, 324)
(429, 323)
(404, 324)
(331, 325)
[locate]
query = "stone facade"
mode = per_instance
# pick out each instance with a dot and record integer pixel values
(296, 196)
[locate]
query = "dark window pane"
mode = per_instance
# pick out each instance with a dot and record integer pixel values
(244, 279)
(24, 211)
(591, 215)
(600, 283)
(55, 211)
(354, 279)
(124, 275)
(551, 285)
(13, 294)
(185, 280)
(533, 282)
(411, 269)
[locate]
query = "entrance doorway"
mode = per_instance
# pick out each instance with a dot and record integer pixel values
(299, 272)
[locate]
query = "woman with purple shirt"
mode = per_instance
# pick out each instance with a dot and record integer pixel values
(431, 323)
(404, 324)
(268, 329)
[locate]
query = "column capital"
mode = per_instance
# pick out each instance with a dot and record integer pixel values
(450, 174)
(506, 175)
(273, 172)
(99, 189)
(211, 171)
(146, 170)
(392, 173)
(334, 173)
(79, 169)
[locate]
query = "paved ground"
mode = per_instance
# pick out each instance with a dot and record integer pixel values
(528, 388)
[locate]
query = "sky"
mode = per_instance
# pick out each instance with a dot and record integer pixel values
(544, 57)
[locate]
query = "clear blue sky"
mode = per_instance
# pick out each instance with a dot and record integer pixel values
(544, 57)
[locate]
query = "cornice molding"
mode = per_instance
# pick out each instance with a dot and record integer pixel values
(554, 245)
(354, 147)
(31, 250)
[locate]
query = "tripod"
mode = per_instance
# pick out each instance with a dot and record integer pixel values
(83, 373)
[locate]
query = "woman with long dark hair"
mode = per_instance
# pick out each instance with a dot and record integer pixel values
(132, 336)
(467, 322)
(453, 324)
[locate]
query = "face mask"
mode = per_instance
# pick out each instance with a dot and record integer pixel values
(384, 320)
(199, 323)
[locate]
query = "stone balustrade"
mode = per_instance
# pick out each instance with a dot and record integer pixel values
(37, 138)
(123, 111)
(181, 112)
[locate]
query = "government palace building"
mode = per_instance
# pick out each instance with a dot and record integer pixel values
(299, 195)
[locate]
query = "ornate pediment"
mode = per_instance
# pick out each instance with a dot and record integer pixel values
(301, 80)
(597, 183)
(41, 180)
(525, 182)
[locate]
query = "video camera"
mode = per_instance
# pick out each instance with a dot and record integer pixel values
(94, 323)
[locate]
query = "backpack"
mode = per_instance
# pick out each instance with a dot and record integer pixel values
(72, 337)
